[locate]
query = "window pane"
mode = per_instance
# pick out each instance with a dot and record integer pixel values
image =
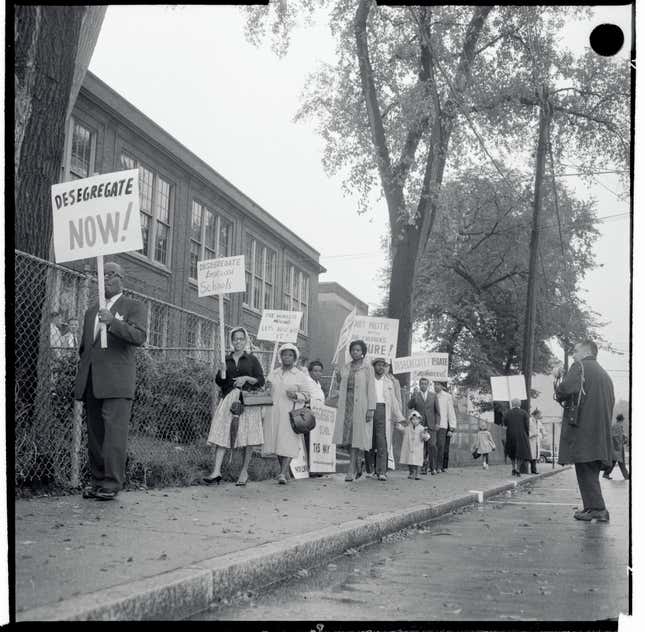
(194, 258)
(208, 254)
(145, 232)
(127, 162)
(225, 232)
(248, 253)
(257, 293)
(191, 331)
(247, 293)
(161, 247)
(268, 296)
(211, 227)
(157, 325)
(163, 200)
(196, 223)
(303, 291)
(259, 259)
(81, 151)
(146, 178)
(270, 273)
(207, 334)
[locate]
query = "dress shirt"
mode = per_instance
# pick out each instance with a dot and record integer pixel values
(424, 394)
(446, 410)
(108, 305)
(380, 394)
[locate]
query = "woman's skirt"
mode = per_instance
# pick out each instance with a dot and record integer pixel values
(249, 431)
(348, 421)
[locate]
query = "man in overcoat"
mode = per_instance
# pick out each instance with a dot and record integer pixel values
(587, 393)
(424, 401)
(106, 382)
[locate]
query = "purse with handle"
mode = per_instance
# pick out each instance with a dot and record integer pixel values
(258, 397)
(302, 420)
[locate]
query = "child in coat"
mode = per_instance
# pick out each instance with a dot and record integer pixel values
(412, 444)
(484, 444)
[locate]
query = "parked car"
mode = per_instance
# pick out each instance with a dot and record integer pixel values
(546, 456)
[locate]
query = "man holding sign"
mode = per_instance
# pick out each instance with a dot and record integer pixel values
(106, 382)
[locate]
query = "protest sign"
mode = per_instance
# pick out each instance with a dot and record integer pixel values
(508, 387)
(299, 467)
(379, 334)
(220, 276)
(322, 449)
(432, 365)
(344, 337)
(96, 216)
(279, 325)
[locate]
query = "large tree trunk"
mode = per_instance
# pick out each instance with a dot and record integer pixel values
(531, 294)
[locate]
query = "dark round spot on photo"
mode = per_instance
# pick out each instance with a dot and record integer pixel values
(607, 39)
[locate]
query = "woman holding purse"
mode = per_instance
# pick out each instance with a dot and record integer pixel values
(290, 389)
(243, 373)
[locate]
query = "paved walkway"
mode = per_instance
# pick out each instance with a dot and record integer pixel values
(68, 546)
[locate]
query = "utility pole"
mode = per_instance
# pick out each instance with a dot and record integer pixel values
(531, 295)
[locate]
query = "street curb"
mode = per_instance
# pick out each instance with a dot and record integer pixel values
(183, 592)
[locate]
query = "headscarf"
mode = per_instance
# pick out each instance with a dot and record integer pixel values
(247, 345)
(288, 346)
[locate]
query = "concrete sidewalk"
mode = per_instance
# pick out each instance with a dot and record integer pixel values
(162, 554)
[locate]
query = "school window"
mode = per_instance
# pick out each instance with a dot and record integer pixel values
(295, 296)
(82, 145)
(192, 326)
(155, 199)
(211, 236)
(158, 323)
(259, 261)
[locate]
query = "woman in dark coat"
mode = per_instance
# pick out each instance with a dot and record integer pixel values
(517, 446)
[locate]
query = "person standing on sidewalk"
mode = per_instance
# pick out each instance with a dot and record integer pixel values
(587, 395)
(387, 412)
(618, 440)
(415, 434)
(290, 389)
(447, 421)
(517, 445)
(424, 401)
(395, 383)
(243, 373)
(535, 436)
(314, 373)
(484, 444)
(356, 405)
(106, 381)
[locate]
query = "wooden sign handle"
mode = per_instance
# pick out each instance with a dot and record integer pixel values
(101, 280)
(222, 337)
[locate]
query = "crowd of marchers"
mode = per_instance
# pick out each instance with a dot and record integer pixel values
(258, 412)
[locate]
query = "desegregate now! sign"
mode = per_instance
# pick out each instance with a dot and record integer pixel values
(96, 216)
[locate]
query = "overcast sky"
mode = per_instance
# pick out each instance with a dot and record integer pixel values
(191, 70)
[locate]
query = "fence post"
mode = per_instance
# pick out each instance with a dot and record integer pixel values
(77, 417)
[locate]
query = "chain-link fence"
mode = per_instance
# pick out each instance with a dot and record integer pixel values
(175, 392)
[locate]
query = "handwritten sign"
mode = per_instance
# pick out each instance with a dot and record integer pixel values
(508, 387)
(96, 216)
(345, 337)
(220, 276)
(322, 451)
(432, 365)
(279, 325)
(299, 467)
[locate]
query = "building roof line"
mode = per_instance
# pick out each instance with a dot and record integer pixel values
(97, 88)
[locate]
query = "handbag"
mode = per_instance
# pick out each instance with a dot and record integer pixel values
(302, 420)
(476, 454)
(259, 397)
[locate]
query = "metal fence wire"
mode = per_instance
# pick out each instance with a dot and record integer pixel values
(175, 393)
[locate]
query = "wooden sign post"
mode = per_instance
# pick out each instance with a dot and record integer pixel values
(101, 279)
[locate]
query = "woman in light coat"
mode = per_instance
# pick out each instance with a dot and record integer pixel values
(290, 390)
(356, 405)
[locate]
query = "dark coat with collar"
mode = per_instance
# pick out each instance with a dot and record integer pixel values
(113, 369)
(590, 438)
(429, 409)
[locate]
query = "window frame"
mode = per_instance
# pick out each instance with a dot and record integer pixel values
(67, 166)
(294, 272)
(154, 218)
(219, 216)
(266, 250)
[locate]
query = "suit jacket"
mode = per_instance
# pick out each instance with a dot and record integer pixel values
(429, 409)
(113, 369)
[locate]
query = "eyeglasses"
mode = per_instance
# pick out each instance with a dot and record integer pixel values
(109, 275)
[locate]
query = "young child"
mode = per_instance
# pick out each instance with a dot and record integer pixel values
(412, 445)
(484, 443)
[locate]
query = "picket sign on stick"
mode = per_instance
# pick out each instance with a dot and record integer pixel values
(101, 280)
(222, 337)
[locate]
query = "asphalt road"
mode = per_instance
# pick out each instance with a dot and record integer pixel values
(521, 556)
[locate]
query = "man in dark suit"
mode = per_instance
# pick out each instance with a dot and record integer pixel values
(425, 402)
(106, 382)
